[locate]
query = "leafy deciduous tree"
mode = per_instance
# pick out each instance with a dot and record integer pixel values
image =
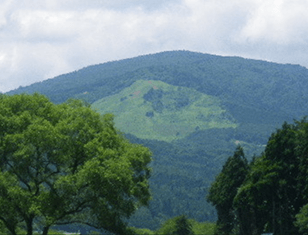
(63, 164)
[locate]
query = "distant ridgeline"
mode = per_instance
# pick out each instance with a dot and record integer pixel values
(192, 110)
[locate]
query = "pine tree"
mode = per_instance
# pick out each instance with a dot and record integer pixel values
(272, 193)
(224, 189)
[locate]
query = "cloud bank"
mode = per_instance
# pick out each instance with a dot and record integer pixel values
(42, 39)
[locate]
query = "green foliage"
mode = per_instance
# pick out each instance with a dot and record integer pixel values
(204, 228)
(179, 225)
(94, 233)
(271, 196)
(302, 220)
(63, 164)
(182, 225)
(21, 231)
(224, 189)
(182, 174)
(253, 197)
(142, 231)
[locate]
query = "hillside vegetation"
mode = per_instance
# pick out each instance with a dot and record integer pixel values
(191, 110)
(166, 112)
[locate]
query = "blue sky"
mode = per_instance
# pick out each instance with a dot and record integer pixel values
(46, 38)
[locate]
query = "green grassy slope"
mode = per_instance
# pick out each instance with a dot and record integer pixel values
(156, 110)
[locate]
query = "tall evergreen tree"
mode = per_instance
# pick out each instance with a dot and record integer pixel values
(302, 151)
(251, 203)
(224, 189)
(270, 195)
(281, 151)
(179, 225)
(183, 226)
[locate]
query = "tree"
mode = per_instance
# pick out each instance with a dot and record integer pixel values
(183, 226)
(252, 205)
(63, 164)
(272, 193)
(224, 189)
(302, 220)
(179, 225)
(302, 151)
(286, 197)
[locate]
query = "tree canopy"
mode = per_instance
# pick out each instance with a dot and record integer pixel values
(179, 225)
(271, 196)
(63, 164)
(224, 189)
(272, 187)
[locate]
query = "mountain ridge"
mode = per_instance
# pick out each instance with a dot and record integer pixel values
(207, 68)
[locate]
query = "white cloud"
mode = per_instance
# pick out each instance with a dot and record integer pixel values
(278, 21)
(37, 26)
(42, 39)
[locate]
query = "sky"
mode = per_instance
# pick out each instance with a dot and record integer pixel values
(45, 38)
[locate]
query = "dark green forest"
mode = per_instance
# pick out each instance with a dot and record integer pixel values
(246, 99)
(268, 194)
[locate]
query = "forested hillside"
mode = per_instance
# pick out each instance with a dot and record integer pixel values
(191, 110)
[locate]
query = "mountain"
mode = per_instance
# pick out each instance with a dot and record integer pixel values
(191, 109)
